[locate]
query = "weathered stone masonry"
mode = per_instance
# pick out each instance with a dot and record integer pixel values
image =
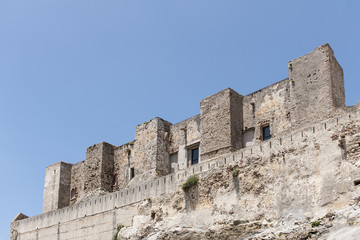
(228, 131)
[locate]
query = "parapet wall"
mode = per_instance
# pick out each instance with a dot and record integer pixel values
(115, 208)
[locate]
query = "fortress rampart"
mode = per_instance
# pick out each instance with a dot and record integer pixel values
(307, 164)
(227, 122)
(118, 208)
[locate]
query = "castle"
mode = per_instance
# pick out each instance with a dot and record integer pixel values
(290, 150)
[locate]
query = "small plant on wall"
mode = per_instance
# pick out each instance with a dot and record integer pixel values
(315, 224)
(192, 181)
(292, 82)
(118, 228)
(159, 173)
(128, 151)
(235, 172)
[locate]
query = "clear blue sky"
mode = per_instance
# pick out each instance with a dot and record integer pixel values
(74, 73)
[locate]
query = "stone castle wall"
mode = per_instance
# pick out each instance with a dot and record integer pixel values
(295, 169)
(227, 122)
(269, 177)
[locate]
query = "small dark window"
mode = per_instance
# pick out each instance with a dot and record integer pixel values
(194, 156)
(132, 173)
(266, 134)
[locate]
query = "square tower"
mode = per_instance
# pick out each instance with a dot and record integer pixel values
(221, 123)
(317, 86)
(57, 186)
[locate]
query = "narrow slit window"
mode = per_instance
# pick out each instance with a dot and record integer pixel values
(253, 109)
(132, 173)
(266, 134)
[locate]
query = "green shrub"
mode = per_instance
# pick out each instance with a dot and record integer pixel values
(190, 182)
(235, 172)
(315, 224)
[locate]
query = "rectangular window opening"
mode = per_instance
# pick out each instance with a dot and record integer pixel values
(132, 173)
(194, 156)
(266, 134)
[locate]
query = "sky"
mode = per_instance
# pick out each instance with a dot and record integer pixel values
(75, 73)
